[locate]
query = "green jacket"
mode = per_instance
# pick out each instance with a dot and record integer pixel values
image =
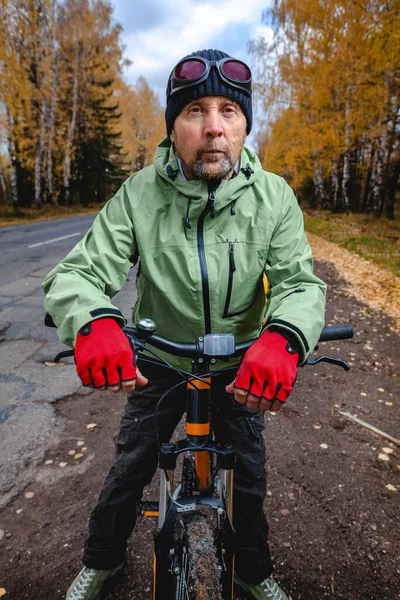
(202, 256)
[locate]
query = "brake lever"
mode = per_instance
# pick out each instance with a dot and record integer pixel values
(62, 355)
(329, 359)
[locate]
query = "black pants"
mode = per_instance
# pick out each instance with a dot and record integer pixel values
(114, 518)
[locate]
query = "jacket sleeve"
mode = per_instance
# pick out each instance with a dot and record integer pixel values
(79, 289)
(296, 297)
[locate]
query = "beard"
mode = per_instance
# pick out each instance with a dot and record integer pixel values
(218, 168)
(212, 170)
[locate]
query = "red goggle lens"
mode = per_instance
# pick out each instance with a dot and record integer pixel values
(238, 71)
(191, 69)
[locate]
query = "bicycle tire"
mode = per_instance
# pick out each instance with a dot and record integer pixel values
(200, 578)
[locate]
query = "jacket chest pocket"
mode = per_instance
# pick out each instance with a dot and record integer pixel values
(245, 266)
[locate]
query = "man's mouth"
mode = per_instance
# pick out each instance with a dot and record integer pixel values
(213, 152)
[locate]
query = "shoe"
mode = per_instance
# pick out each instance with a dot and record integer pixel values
(90, 584)
(266, 590)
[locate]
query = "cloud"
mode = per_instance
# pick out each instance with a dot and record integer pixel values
(186, 26)
(139, 16)
(262, 31)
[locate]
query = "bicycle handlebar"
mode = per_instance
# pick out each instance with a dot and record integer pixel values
(194, 350)
(336, 332)
(329, 333)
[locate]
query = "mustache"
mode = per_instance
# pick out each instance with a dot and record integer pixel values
(212, 148)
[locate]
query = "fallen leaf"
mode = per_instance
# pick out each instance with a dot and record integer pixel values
(363, 394)
(272, 413)
(391, 487)
(71, 452)
(81, 443)
(316, 426)
(29, 495)
(62, 464)
(387, 450)
(285, 512)
(389, 403)
(50, 363)
(381, 389)
(80, 455)
(91, 426)
(324, 446)
(383, 457)
(2, 592)
(48, 462)
(84, 449)
(19, 511)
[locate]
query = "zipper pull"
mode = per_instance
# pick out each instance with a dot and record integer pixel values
(211, 199)
(232, 265)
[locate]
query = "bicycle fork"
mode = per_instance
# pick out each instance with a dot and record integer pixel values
(196, 491)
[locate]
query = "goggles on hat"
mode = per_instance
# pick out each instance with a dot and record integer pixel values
(194, 70)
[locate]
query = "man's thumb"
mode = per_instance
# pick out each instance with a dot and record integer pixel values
(229, 388)
(140, 379)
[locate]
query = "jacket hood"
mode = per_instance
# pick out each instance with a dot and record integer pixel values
(229, 190)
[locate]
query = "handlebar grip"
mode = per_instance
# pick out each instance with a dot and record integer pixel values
(336, 332)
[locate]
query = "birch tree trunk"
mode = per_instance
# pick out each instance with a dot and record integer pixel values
(40, 153)
(318, 180)
(52, 110)
(365, 206)
(335, 182)
(379, 178)
(71, 130)
(346, 158)
(3, 184)
(13, 161)
(385, 148)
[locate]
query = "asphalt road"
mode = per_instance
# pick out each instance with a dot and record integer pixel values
(28, 386)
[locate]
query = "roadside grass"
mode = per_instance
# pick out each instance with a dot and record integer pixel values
(47, 213)
(376, 240)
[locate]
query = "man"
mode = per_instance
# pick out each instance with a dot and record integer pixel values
(206, 222)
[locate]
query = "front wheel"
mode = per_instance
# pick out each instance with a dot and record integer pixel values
(197, 571)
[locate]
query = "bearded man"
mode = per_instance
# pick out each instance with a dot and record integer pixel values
(205, 223)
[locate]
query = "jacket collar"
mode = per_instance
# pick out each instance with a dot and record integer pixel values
(229, 190)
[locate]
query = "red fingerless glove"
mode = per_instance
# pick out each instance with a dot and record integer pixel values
(268, 368)
(103, 354)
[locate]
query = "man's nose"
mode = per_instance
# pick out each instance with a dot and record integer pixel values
(213, 125)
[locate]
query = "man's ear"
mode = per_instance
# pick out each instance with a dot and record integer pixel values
(172, 136)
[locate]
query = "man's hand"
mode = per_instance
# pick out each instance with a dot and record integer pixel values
(104, 357)
(266, 374)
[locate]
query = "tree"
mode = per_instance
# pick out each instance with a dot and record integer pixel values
(143, 125)
(60, 88)
(329, 83)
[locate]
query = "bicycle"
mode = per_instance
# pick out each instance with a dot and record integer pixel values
(194, 539)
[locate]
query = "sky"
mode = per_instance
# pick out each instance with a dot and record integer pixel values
(158, 33)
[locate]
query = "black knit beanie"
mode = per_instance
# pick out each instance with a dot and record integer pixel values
(212, 86)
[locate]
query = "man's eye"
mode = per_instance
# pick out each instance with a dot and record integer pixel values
(195, 109)
(229, 109)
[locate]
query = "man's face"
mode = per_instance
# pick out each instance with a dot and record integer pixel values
(208, 136)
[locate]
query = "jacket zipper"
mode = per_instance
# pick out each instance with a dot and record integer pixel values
(232, 269)
(202, 257)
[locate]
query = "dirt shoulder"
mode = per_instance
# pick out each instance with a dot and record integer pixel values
(332, 502)
(372, 285)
